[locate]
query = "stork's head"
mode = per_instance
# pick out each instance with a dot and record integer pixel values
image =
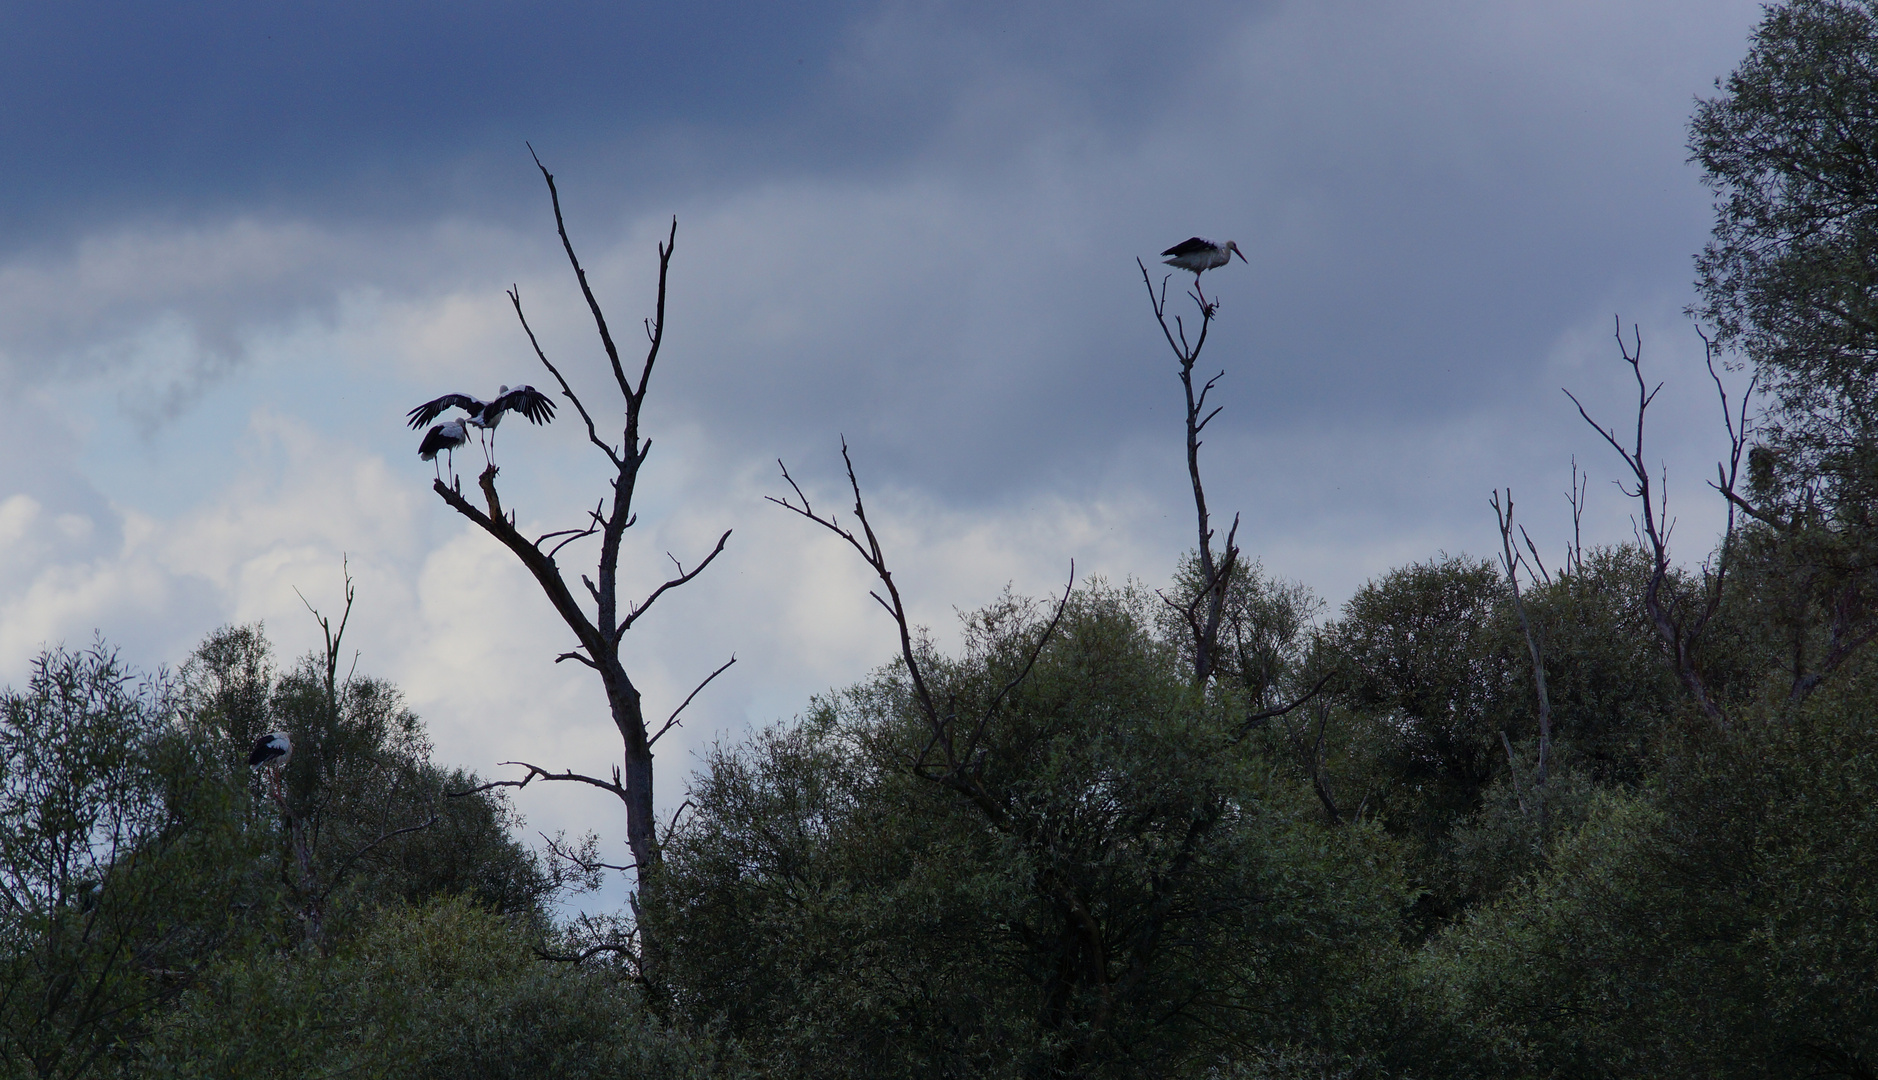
(1234, 249)
(501, 390)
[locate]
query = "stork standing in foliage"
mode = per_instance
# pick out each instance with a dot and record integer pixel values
(1199, 254)
(527, 400)
(273, 750)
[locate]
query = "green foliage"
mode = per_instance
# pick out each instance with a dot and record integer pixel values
(1791, 278)
(362, 799)
(1611, 688)
(1429, 656)
(1790, 148)
(1264, 631)
(1722, 925)
(1435, 687)
(122, 863)
(1145, 892)
(448, 990)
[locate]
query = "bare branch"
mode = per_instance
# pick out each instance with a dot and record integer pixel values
(1512, 768)
(1510, 559)
(337, 875)
(571, 534)
(1043, 639)
(537, 772)
(673, 824)
(588, 953)
(655, 331)
(587, 866)
(956, 771)
(586, 290)
(634, 612)
(1677, 631)
(1253, 721)
(1544, 574)
(1574, 556)
(593, 436)
(870, 552)
(673, 719)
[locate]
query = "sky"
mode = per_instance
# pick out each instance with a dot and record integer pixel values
(239, 240)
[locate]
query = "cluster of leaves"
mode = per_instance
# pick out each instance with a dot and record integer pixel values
(1151, 892)
(166, 910)
(1165, 892)
(447, 990)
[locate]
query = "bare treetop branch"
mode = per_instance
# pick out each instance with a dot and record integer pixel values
(593, 436)
(586, 290)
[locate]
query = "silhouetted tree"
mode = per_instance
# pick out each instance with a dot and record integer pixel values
(598, 619)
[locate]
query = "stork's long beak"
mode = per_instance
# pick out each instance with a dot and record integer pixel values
(1241, 254)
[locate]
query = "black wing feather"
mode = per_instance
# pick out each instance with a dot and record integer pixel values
(430, 410)
(1190, 246)
(530, 402)
(264, 750)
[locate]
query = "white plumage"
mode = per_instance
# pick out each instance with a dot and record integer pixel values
(273, 748)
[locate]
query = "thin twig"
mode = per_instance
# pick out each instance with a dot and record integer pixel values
(634, 612)
(673, 719)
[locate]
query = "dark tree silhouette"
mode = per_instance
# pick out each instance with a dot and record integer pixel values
(599, 620)
(1202, 611)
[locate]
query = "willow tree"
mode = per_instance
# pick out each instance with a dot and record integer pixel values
(1790, 279)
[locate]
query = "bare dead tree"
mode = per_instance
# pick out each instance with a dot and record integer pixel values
(598, 620)
(1201, 612)
(1512, 560)
(1679, 616)
(1575, 554)
(1204, 612)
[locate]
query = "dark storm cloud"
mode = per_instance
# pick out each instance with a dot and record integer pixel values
(389, 110)
(916, 223)
(149, 107)
(1433, 197)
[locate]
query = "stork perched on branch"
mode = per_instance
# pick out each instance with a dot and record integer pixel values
(1199, 254)
(527, 400)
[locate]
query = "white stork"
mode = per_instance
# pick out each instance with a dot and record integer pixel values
(527, 400)
(1199, 254)
(447, 437)
(273, 748)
